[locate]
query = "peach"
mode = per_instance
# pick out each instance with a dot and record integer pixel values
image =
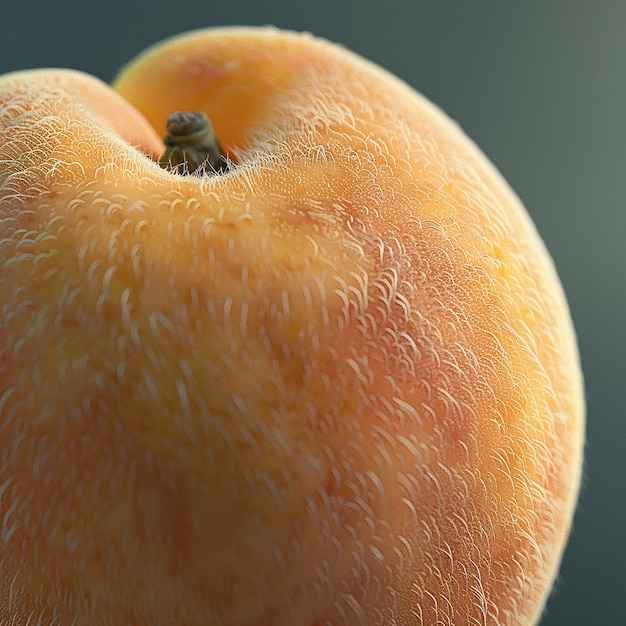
(336, 384)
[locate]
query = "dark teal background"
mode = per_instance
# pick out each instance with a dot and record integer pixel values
(541, 87)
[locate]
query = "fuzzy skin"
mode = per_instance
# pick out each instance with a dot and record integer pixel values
(338, 385)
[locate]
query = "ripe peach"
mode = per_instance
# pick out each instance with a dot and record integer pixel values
(336, 384)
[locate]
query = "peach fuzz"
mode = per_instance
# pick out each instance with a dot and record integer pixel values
(336, 385)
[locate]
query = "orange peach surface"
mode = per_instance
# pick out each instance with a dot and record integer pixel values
(337, 385)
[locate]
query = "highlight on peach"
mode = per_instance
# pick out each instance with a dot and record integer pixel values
(278, 346)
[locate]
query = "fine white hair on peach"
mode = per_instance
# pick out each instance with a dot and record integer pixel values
(322, 294)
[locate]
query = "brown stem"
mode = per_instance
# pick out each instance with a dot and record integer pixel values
(191, 145)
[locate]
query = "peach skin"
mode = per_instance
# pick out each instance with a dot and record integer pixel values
(334, 382)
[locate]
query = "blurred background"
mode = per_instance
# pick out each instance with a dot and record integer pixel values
(541, 87)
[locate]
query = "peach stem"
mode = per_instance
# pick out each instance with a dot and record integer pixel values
(191, 145)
